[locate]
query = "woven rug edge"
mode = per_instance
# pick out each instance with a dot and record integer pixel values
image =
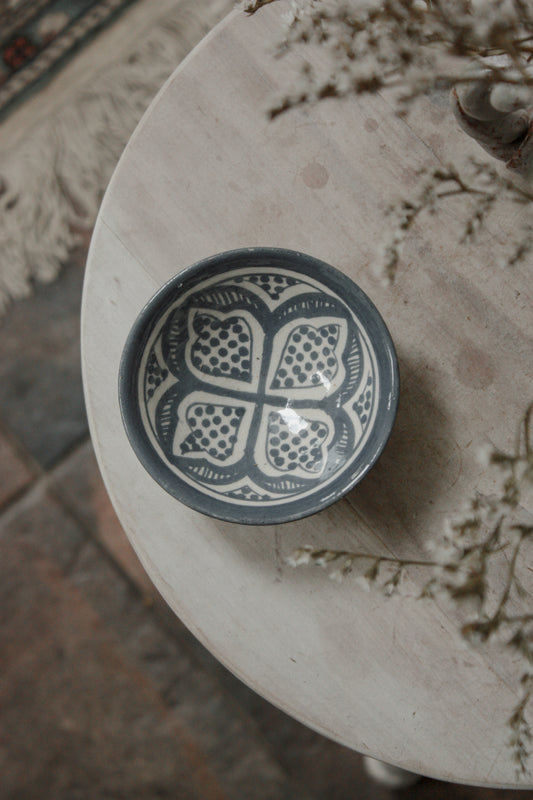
(52, 182)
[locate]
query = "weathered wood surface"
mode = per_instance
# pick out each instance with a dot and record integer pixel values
(207, 172)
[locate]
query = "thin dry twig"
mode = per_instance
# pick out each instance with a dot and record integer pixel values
(492, 531)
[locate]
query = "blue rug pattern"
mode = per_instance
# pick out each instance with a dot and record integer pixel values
(38, 36)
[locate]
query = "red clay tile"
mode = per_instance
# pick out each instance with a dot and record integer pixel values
(79, 483)
(78, 718)
(15, 473)
(96, 654)
(41, 396)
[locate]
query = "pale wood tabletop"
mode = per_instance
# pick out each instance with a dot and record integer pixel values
(206, 171)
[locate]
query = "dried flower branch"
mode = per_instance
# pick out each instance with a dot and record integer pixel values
(483, 49)
(251, 6)
(489, 536)
(487, 192)
(343, 562)
(410, 45)
(521, 734)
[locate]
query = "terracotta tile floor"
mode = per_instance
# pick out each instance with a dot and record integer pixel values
(103, 693)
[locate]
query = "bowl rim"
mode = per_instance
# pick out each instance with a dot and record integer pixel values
(219, 263)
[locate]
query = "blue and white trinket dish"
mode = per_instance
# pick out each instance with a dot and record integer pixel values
(259, 385)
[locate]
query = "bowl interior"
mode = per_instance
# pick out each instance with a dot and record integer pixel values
(259, 385)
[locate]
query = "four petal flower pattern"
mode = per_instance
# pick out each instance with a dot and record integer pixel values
(258, 386)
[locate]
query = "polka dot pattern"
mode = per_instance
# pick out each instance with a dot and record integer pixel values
(363, 404)
(260, 389)
(273, 285)
(223, 347)
(288, 451)
(247, 493)
(308, 357)
(214, 430)
(155, 375)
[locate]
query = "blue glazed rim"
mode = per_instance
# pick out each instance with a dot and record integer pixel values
(266, 257)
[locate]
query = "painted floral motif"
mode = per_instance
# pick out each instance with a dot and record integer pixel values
(214, 430)
(297, 447)
(258, 386)
(309, 357)
(18, 51)
(222, 347)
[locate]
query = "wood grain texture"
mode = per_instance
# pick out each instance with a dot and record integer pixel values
(206, 172)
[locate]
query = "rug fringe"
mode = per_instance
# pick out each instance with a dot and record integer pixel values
(52, 183)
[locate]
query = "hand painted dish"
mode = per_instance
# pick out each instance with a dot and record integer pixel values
(259, 386)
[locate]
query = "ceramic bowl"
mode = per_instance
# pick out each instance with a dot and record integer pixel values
(259, 385)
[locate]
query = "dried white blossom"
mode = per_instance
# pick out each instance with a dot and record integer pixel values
(363, 582)
(406, 45)
(489, 531)
(484, 454)
(407, 48)
(300, 557)
(482, 50)
(443, 550)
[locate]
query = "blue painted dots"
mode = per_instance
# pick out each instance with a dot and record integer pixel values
(273, 285)
(210, 425)
(288, 451)
(363, 404)
(155, 375)
(308, 357)
(223, 348)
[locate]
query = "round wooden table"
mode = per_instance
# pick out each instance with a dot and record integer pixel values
(206, 171)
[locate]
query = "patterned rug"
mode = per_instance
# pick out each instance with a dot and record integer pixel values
(37, 36)
(75, 78)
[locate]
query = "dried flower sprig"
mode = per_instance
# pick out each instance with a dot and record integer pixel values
(340, 563)
(408, 45)
(251, 6)
(407, 48)
(413, 47)
(487, 192)
(488, 538)
(521, 733)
